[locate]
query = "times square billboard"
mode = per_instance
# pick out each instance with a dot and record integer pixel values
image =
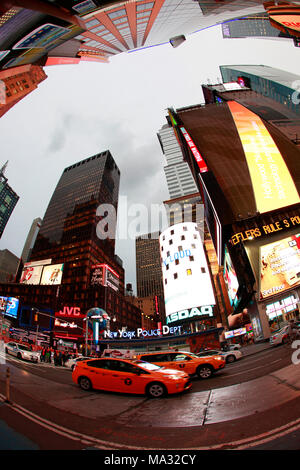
(245, 166)
(247, 171)
(187, 283)
(42, 272)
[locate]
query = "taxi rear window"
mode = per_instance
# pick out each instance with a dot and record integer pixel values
(155, 358)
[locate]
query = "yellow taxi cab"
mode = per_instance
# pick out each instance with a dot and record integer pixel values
(192, 364)
(129, 376)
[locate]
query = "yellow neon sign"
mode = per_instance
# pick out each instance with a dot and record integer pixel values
(272, 183)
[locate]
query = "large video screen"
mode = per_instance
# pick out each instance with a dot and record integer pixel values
(52, 274)
(230, 278)
(187, 281)
(9, 306)
(31, 275)
(279, 266)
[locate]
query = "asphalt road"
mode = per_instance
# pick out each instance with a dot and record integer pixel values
(245, 369)
(17, 432)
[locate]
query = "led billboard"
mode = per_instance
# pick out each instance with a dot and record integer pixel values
(111, 278)
(187, 283)
(272, 182)
(9, 306)
(279, 266)
(52, 274)
(230, 278)
(102, 274)
(31, 275)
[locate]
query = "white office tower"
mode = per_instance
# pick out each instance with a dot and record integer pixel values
(180, 180)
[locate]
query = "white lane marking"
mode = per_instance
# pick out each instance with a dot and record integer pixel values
(65, 432)
(98, 443)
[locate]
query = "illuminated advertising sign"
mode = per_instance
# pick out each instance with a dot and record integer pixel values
(186, 278)
(272, 183)
(111, 278)
(41, 37)
(70, 312)
(201, 163)
(276, 309)
(61, 61)
(190, 314)
(142, 333)
(9, 306)
(31, 275)
(279, 266)
(230, 278)
(84, 7)
(234, 333)
(52, 274)
(97, 275)
(263, 230)
(102, 274)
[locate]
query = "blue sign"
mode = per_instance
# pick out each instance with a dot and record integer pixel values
(177, 255)
(9, 306)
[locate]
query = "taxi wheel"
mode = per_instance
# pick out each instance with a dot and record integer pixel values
(230, 358)
(19, 356)
(156, 390)
(85, 383)
(204, 372)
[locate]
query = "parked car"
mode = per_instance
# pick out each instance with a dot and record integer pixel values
(280, 336)
(129, 376)
(230, 356)
(21, 351)
(234, 347)
(73, 361)
(204, 367)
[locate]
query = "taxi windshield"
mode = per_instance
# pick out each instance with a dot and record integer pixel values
(146, 365)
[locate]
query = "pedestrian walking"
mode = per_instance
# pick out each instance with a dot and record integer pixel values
(292, 331)
(48, 356)
(43, 352)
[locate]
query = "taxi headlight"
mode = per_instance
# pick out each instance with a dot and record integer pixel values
(219, 358)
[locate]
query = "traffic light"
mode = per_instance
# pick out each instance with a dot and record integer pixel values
(35, 315)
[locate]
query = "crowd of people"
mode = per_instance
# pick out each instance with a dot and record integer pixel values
(58, 357)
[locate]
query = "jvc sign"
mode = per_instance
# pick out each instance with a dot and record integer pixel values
(206, 310)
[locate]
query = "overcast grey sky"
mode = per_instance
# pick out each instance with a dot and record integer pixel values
(80, 110)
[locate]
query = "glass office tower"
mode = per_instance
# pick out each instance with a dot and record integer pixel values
(70, 232)
(8, 200)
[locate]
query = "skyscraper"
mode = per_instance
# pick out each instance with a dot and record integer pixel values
(18, 82)
(148, 265)
(30, 240)
(103, 29)
(75, 230)
(249, 175)
(279, 85)
(8, 200)
(179, 178)
(256, 25)
(149, 274)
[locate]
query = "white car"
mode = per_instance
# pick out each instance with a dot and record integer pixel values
(280, 336)
(71, 363)
(21, 351)
(230, 356)
(234, 347)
